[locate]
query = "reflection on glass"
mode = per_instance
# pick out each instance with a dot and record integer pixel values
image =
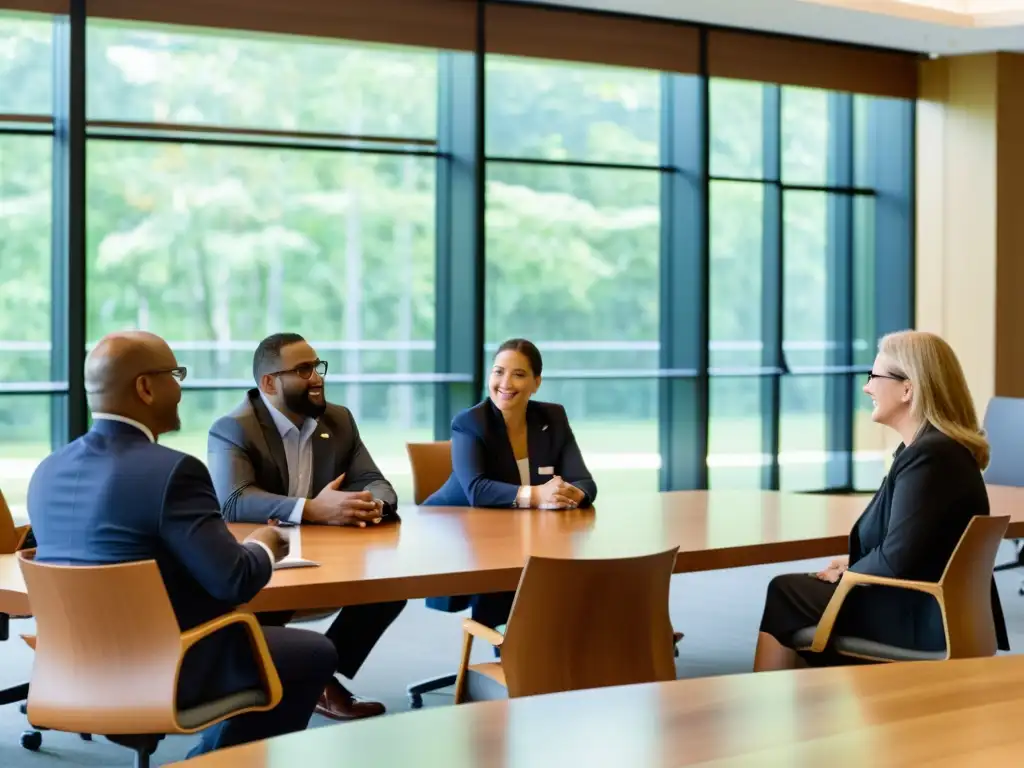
(25, 426)
(165, 75)
(559, 111)
(736, 278)
(26, 65)
(388, 416)
(25, 290)
(737, 128)
(805, 135)
(802, 438)
(735, 459)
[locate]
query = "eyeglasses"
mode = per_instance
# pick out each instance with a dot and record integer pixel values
(305, 370)
(179, 373)
(873, 375)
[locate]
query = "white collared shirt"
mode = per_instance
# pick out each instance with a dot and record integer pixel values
(149, 433)
(125, 420)
(298, 453)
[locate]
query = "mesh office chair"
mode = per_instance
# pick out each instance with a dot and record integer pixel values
(1004, 426)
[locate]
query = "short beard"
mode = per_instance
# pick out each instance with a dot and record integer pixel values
(299, 402)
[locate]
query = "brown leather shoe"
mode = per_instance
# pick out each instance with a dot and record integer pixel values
(339, 704)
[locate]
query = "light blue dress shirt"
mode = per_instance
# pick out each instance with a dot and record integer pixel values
(298, 452)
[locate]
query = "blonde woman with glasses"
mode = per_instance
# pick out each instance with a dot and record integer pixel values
(913, 523)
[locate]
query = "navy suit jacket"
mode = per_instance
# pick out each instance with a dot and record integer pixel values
(112, 496)
(484, 470)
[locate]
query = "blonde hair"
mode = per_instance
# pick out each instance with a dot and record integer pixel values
(940, 395)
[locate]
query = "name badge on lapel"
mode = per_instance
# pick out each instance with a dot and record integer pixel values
(545, 470)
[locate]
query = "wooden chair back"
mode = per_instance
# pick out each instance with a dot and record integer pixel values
(11, 536)
(108, 649)
(579, 624)
(431, 466)
(966, 589)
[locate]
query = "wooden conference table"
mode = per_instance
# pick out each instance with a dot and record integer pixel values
(946, 713)
(438, 551)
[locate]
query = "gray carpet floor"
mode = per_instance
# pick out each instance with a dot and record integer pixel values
(719, 611)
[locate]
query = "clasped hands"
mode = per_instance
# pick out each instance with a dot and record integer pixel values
(555, 494)
(334, 507)
(835, 570)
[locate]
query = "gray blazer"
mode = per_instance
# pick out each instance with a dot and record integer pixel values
(250, 472)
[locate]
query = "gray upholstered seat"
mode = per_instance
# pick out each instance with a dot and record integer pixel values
(193, 717)
(861, 647)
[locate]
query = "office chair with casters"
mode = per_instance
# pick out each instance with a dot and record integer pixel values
(12, 538)
(556, 641)
(1004, 427)
(110, 666)
(963, 593)
(431, 466)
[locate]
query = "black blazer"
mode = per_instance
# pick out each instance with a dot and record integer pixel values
(112, 496)
(484, 470)
(908, 531)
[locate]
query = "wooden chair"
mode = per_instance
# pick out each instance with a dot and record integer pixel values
(108, 653)
(11, 537)
(577, 624)
(431, 466)
(963, 594)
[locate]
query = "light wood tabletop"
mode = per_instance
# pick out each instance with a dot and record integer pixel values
(438, 551)
(939, 714)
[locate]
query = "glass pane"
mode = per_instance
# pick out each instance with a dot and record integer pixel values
(25, 426)
(736, 293)
(865, 335)
(871, 456)
(26, 65)
(802, 436)
(572, 264)
(174, 76)
(805, 278)
(388, 416)
(737, 128)
(805, 128)
(616, 426)
(25, 292)
(559, 111)
(215, 248)
(734, 433)
(863, 141)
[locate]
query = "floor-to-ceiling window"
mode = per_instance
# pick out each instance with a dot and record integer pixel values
(572, 224)
(705, 258)
(29, 384)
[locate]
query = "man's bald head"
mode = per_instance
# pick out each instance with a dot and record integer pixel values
(129, 373)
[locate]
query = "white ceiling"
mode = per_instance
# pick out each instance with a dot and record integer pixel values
(994, 26)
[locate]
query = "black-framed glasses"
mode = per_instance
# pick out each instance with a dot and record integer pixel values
(179, 373)
(873, 375)
(305, 370)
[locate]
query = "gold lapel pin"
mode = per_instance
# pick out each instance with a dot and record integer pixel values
(324, 434)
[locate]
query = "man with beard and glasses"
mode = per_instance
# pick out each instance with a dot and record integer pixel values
(287, 455)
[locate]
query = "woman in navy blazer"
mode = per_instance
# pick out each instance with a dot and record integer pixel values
(912, 525)
(511, 451)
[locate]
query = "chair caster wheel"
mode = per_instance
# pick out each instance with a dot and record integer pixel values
(416, 701)
(31, 740)
(86, 736)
